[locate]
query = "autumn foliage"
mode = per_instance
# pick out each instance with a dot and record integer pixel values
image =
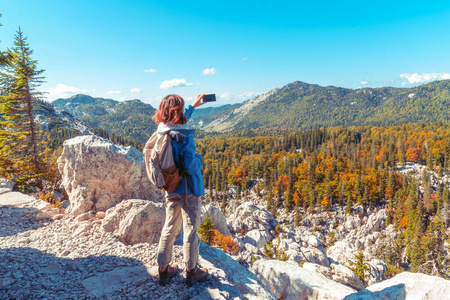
(225, 242)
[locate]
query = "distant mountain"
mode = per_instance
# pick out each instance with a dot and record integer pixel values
(130, 119)
(57, 125)
(53, 118)
(303, 105)
(295, 105)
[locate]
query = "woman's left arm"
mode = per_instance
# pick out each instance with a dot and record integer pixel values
(190, 109)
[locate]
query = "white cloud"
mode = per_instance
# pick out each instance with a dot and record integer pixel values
(247, 95)
(136, 90)
(226, 96)
(64, 91)
(243, 96)
(114, 93)
(150, 71)
(210, 71)
(364, 82)
(424, 77)
(175, 82)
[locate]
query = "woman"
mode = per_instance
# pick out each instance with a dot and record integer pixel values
(183, 204)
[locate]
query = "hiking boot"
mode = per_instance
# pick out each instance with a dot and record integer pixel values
(168, 273)
(196, 275)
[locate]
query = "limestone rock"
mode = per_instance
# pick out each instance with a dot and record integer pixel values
(46, 214)
(239, 278)
(344, 275)
(406, 286)
(290, 281)
(255, 238)
(249, 217)
(343, 253)
(135, 221)
(316, 256)
(6, 185)
(98, 174)
(314, 242)
(216, 216)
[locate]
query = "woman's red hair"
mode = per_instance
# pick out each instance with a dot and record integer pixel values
(171, 110)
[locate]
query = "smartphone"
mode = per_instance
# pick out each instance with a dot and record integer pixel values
(209, 98)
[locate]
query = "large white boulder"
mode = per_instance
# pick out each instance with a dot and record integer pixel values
(316, 256)
(255, 238)
(235, 279)
(6, 185)
(98, 174)
(135, 221)
(216, 216)
(344, 275)
(290, 281)
(406, 286)
(249, 217)
(344, 253)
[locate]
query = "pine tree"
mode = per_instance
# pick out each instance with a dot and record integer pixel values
(18, 82)
(348, 209)
(3, 56)
(288, 200)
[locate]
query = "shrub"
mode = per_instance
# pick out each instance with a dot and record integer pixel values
(225, 242)
(359, 267)
(391, 271)
(330, 240)
(49, 197)
(272, 250)
(206, 231)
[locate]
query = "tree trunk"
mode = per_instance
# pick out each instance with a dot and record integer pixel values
(32, 130)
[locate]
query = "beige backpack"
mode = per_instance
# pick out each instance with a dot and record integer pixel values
(159, 163)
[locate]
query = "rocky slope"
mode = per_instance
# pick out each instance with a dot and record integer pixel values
(105, 245)
(62, 257)
(54, 118)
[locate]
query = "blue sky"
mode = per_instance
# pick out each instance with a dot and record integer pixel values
(236, 49)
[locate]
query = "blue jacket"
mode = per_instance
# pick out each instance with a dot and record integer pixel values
(188, 162)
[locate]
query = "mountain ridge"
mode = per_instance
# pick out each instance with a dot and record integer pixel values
(293, 106)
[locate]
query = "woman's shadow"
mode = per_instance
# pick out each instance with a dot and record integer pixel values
(31, 274)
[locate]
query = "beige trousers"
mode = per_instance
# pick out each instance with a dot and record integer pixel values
(177, 211)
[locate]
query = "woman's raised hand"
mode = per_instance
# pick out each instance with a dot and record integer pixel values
(198, 102)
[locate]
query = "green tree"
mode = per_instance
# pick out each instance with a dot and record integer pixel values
(206, 231)
(348, 209)
(358, 266)
(19, 80)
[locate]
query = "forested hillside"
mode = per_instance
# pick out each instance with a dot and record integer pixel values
(303, 105)
(130, 119)
(310, 171)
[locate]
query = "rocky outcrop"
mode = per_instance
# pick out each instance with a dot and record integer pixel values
(290, 281)
(19, 206)
(240, 278)
(248, 217)
(135, 221)
(406, 286)
(344, 253)
(6, 186)
(98, 174)
(76, 259)
(216, 216)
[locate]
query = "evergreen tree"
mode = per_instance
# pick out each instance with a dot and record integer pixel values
(18, 82)
(288, 201)
(348, 209)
